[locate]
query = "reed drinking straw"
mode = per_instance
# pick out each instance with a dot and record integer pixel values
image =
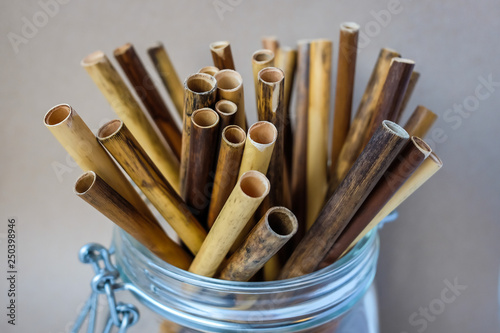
(202, 153)
(347, 198)
(222, 55)
(259, 146)
(168, 76)
(346, 68)
(392, 94)
(274, 229)
(210, 70)
(260, 60)
(270, 107)
(122, 145)
(230, 87)
(424, 172)
(286, 60)
(420, 121)
(228, 166)
(320, 72)
(124, 104)
(408, 160)
(409, 92)
(354, 142)
(227, 113)
(270, 43)
(299, 168)
(80, 143)
(199, 92)
(251, 189)
(95, 191)
(145, 88)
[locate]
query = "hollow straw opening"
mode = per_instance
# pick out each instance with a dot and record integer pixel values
(85, 182)
(219, 45)
(263, 56)
(271, 75)
(421, 145)
(403, 61)
(436, 159)
(234, 135)
(395, 128)
(109, 129)
(205, 118)
(93, 58)
(57, 114)
(122, 49)
(349, 26)
(227, 79)
(210, 70)
(226, 107)
(281, 221)
(201, 83)
(263, 132)
(254, 184)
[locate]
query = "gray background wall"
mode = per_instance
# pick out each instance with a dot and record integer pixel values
(447, 231)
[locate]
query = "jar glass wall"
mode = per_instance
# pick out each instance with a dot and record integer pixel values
(340, 298)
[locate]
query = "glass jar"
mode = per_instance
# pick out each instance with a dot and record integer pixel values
(340, 298)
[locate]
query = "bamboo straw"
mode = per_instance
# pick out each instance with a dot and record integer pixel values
(345, 88)
(210, 70)
(424, 172)
(271, 43)
(228, 165)
(80, 143)
(222, 55)
(409, 92)
(347, 198)
(123, 103)
(247, 195)
(420, 121)
(317, 135)
(168, 76)
(151, 99)
(275, 228)
(392, 94)
(122, 145)
(270, 107)
(299, 168)
(260, 60)
(95, 191)
(259, 146)
(408, 160)
(227, 113)
(199, 92)
(230, 87)
(202, 152)
(286, 60)
(353, 144)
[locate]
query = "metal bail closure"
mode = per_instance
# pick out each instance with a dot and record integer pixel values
(105, 282)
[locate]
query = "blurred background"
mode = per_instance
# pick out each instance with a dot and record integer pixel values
(447, 232)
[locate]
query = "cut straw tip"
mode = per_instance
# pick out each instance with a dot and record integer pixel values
(254, 184)
(205, 118)
(349, 26)
(271, 75)
(421, 145)
(234, 135)
(57, 115)
(200, 83)
(122, 49)
(395, 129)
(282, 222)
(228, 80)
(262, 133)
(219, 45)
(84, 182)
(93, 58)
(262, 56)
(109, 129)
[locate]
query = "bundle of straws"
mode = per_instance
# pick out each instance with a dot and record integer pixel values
(264, 198)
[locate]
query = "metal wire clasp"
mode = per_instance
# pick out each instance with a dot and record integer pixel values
(105, 282)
